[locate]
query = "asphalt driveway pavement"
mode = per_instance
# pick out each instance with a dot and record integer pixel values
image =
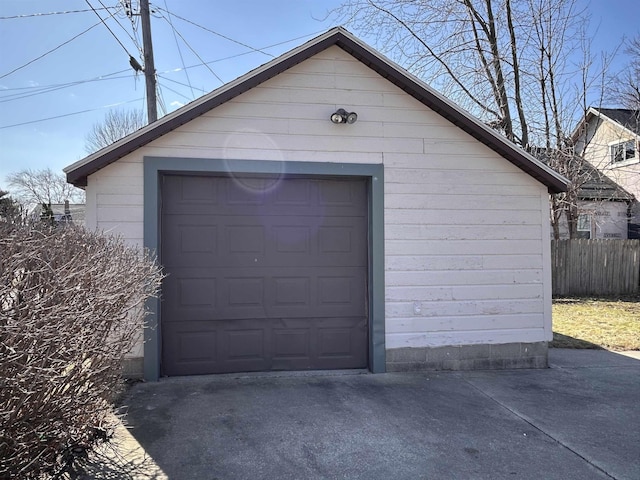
(579, 419)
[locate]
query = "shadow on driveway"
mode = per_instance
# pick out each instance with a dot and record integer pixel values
(577, 420)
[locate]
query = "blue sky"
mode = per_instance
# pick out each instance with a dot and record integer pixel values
(100, 65)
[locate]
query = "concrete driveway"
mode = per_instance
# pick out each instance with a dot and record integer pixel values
(580, 419)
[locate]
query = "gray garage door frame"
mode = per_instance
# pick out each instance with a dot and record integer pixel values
(155, 167)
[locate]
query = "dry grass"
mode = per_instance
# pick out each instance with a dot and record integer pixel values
(597, 323)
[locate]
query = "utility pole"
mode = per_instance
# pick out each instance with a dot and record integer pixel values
(149, 67)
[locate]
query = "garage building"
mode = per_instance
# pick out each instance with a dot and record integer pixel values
(328, 210)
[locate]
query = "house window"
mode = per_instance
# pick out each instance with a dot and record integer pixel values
(623, 151)
(584, 225)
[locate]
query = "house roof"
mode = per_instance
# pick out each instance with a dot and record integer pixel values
(78, 172)
(600, 187)
(596, 186)
(627, 119)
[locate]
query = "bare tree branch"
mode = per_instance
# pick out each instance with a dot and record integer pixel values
(438, 58)
(71, 307)
(116, 125)
(625, 85)
(43, 186)
(509, 62)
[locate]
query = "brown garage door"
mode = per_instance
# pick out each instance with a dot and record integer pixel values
(263, 274)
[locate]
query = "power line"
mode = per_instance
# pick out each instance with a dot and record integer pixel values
(160, 98)
(101, 78)
(175, 91)
(194, 52)
(47, 88)
(31, 15)
(130, 16)
(216, 33)
(179, 49)
(181, 83)
(50, 51)
(230, 57)
(53, 88)
(67, 114)
(134, 40)
(110, 31)
(94, 79)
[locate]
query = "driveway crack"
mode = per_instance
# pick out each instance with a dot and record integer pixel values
(536, 427)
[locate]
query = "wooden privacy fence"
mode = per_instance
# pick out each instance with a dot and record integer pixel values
(595, 267)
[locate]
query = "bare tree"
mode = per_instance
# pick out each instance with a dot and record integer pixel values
(43, 186)
(116, 125)
(515, 64)
(625, 86)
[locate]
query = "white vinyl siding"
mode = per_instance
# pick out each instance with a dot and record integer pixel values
(466, 232)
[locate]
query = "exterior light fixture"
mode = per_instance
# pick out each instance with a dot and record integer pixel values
(342, 116)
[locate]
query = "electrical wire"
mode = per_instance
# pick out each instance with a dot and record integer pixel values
(101, 78)
(93, 79)
(231, 57)
(50, 51)
(31, 15)
(134, 40)
(134, 23)
(22, 95)
(110, 31)
(194, 52)
(216, 33)
(160, 99)
(175, 37)
(181, 83)
(45, 88)
(175, 91)
(67, 114)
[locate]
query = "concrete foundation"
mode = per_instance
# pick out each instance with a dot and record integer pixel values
(469, 357)
(132, 367)
(458, 357)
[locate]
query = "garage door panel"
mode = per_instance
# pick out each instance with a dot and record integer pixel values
(232, 242)
(280, 344)
(189, 194)
(190, 346)
(263, 274)
(239, 293)
(291, 343)
(193, 194)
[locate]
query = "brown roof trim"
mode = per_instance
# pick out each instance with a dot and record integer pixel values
(77, 173)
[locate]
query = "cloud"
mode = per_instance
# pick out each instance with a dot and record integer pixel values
(176, 104)
(33, 83)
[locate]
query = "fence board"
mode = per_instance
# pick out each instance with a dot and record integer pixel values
(595, 267)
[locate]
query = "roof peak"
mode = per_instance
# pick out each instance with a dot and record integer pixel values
(78, 172)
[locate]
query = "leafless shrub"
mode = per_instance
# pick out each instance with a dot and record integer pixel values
(71, 307)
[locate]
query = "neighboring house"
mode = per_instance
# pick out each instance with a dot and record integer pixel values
(609, 139)
(62, 212)
(603, 206)
(295, 238)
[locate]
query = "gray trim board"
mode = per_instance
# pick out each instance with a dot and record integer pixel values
(78, 172)
(155, 167)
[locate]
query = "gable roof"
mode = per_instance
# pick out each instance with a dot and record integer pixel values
(627, 119)
(78, 172)
(600, 187)
(596, 185)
